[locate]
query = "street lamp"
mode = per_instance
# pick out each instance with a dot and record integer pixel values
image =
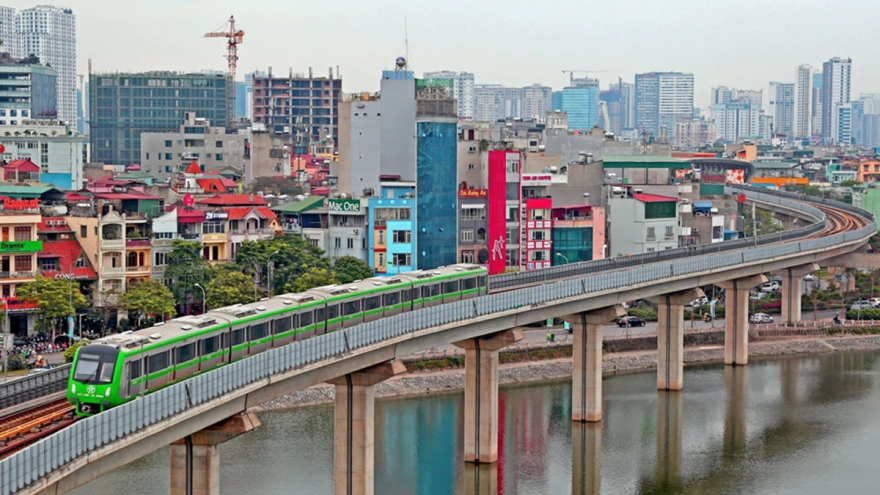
(563, 257)
(204, 302)
(269, 273)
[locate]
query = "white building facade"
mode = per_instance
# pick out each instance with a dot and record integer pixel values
(803, 95)
(835, 92)
(734, 120)
(462, 86)
(781, 107)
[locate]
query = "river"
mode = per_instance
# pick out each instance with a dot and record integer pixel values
(785, 426)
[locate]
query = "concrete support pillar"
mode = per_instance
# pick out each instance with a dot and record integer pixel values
(736, 318)
(792, 288)
(586, 458)
(195, 460)
(353, 427)
(480, 479)
(670, 337)
(586, 361)
(481, 394)
(669, 409)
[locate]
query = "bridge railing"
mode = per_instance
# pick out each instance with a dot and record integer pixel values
(26, 388)
(46, 456)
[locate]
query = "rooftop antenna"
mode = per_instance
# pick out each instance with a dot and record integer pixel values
(405, 39)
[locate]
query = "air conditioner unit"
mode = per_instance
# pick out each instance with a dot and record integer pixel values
(356, 231)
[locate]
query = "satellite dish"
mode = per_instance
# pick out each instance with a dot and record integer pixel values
(483, 256)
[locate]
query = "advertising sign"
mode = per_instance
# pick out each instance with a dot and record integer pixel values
(473, 193)
(216, 215)
(344, 205)
(497, 214)
(20, 204)
(21, 247)
(536, 179)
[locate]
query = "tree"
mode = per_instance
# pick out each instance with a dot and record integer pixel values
(315, 277)
(294, 257)
(57, 298)
(147, 298)
(229, 287)
(186, 267)
(348, 269)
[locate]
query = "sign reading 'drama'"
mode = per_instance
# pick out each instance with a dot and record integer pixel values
(344, 205)
(21, 246)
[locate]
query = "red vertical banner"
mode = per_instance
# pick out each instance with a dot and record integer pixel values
(497, 214)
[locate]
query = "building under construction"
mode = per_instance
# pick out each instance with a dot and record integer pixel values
(303, 108)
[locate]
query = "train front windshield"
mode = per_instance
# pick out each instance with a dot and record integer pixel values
(95, 367)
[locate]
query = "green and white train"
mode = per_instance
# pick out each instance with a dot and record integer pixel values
(118, 368)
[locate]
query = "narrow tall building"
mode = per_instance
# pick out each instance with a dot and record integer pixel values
(803, 95)
(816, 107)
(662, 99)
(50, 33)
(835, 92)
(537, 101)
(781, 107)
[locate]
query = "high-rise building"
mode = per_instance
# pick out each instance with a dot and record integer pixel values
(734, 120)
(781, 107)
(835, 92)
(618, 101)
(627, 105)
(493, 102)
(581, 102)
(304, 107)
(662, 99)
(556, 101)
(723, 94)
(537, 101)
(816, 105)
(123, 105)
(693, 133)
(849, 119)
(803, 95)
(462, 89)
(8, 36)
(27, 91)
(50, 34)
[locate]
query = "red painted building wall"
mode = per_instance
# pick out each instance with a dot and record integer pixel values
(497, 203)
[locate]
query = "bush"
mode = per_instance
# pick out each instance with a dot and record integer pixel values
(645, 314)
(863, 314)
(70, 352)
(15, 362)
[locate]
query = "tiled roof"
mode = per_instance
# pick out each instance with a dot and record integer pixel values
(193, 168)
(128, 195)
(653, 198)
(23, 165)
(50, 224)
(67, 252)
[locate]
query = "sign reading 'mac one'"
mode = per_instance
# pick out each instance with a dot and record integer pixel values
(344, 205)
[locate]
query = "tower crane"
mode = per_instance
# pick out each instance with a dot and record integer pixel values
(234, 37)
(572, 72)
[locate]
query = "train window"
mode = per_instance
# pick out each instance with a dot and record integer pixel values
(392, 299)
(210, 344)
(319, 315)
(332, 311)
(468, 284)
(186, 353)
(351, 307)
(430, 290)
(134, 369)
(259, 331)
(237, 336)
(371, 303)
(483, 281)
(157, 362)
(282, 325)
(406, 294)
(305, 319)
(450, 287)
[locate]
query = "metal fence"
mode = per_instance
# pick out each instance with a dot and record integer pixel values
(26, 388)
(36, 461)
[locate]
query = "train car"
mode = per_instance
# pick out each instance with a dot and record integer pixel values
(119, 368)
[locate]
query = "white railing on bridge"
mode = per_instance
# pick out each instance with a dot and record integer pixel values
(36, 461)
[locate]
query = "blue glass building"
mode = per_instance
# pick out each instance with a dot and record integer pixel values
(436, 193)
(581, 103)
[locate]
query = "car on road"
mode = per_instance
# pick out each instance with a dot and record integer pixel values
(770, 287)
(875, 301)
(630, 321)
(860, 304)
(809, 277)
(698, 302)
(761, 318)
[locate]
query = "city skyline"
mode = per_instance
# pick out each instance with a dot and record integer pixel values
(122, 37)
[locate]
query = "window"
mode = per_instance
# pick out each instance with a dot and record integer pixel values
(186, 353)
(168, 156)
(80, 262)
(402, 236)
(473, 213)
(238, 336)
(134, 370)
(213, 227)
(351, 307)
(469, 283)
(157, 362)
(392, 299)
(167, 144)
(48, 264)
(259, 331)
(402, 259)
(282, 325)
(160, 259)
(383, 214)
(467, 256)
(381, 259)
(670, 232)
(431, 290)
(218, 144)
(467, 235)
(218, 157)
(305, 319)
(83, 232)
(381, 236)
(538, 235)
(349, 243)
(371, 303)
(22, 233)
(337, 243)
(450, 287)
(332, 311)
(210, 344)
(650, 235)
(23, 263)
(163, 235)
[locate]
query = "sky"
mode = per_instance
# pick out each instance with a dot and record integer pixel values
(736, 43)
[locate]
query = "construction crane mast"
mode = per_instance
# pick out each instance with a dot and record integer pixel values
(234, 37)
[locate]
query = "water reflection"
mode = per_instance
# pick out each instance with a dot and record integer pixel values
(586, 458)
(480, 479)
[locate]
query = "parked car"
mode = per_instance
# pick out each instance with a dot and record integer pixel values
(757, 296)
(809, 277)
(875, 301)
(698, 302)
(774, 278)
(769, 287)
(761, 318)
(860, 304)
(631, 321)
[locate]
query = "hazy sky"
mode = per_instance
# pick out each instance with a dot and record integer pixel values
(738, 43)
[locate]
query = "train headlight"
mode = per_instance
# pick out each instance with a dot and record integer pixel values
(107, 393)
(73, 388)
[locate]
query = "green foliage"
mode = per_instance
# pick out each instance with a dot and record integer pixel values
(56, 298)
(863, 314)
(15, 362)
(186, 267)
(766, 223)
(315, 277)
(348, 269)
(229, 287)
(294, 258)
(70, 352)
(148, 298)
(849, 183)
(645, 314)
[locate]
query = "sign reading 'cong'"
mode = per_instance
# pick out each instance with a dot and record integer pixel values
(344, 205)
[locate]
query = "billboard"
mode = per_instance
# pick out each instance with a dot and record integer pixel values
(344, 205)
(497, 214)
(473, 193)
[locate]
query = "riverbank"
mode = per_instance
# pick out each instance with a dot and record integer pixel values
(552, 362)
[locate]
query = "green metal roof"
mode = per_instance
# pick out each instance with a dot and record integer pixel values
(29, 192)
(643, 161)
(297, 207)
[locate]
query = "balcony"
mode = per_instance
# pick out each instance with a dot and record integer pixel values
(253, 232)
(109, 271)
(137, 243)
(159, 269)
(190, 237)
(295, 229)
(112, 244)
(137, 269)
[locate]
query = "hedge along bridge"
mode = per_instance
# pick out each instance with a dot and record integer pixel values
(196, 415)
